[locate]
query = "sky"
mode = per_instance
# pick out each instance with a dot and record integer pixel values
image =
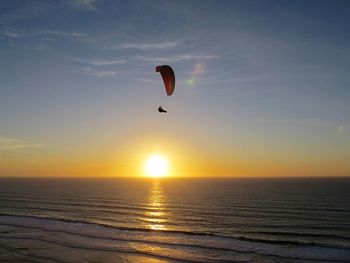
(262, 87)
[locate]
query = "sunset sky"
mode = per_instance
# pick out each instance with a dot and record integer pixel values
(262, 87)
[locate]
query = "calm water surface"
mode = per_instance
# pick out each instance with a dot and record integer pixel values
(175, 220)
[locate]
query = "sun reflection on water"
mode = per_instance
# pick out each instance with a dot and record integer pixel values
(156, 214)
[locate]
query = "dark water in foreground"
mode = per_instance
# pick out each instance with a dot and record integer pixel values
(175, 220)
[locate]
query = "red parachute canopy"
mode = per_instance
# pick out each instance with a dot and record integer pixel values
(168, 78)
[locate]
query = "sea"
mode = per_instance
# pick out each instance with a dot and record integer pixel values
(175, 220)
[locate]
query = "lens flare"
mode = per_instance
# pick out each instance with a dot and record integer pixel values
(196, 72)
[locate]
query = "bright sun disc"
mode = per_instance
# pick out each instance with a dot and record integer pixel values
(156, 166)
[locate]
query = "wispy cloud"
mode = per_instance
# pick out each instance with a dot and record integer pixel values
(99, 73)
(16, 144)
(146, 46)
(26, 10)
(88, 5)
(38, 47)
(148, 80)
(10, 34)
(99, 62)
(16, 34)
(304, 121)
(59, 33)
(224, 80)
(176, 58)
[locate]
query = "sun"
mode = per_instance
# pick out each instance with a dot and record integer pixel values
(156, 165)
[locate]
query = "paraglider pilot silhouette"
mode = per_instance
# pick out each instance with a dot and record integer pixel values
(168, 76)
(160, 109)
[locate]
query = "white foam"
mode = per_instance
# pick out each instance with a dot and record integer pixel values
(180, 246)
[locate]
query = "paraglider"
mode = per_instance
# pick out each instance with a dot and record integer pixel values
(168, 76)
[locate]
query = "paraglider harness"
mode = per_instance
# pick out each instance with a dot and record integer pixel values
(160, 109)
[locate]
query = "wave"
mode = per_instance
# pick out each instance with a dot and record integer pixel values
(307, 221)
(177, 240)
(112, 203)
(195, 233)
(169, 257)
(94, 248)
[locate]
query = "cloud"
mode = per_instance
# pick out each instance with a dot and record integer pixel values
(147, 46)
(10, 34)
(15, 144)
(148, 80)
(38, 47)
(23, 10)
(176, 58)
(58, 33)
(15, 34)
(97, 62)
(302, 121)
(224, 80)
(88, 5)
(100, 73)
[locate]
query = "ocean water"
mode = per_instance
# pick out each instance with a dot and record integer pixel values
(175, 220)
